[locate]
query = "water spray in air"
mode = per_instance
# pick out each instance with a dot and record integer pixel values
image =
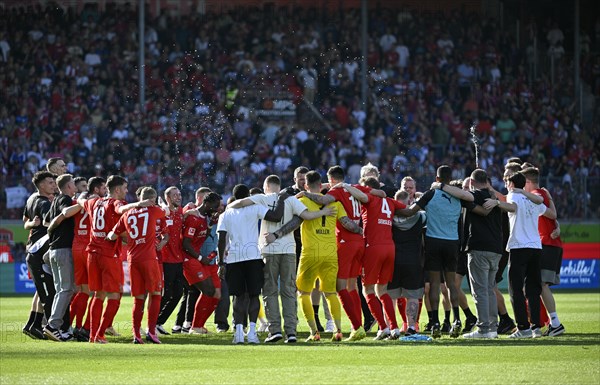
(476, 144)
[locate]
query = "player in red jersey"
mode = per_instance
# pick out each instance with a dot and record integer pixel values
(350, 246)
(377, 216)
(551, 259)
(139, 226)
(185, 314)
(105, 270)
(96, 186)
(172, 258)
(196, 268)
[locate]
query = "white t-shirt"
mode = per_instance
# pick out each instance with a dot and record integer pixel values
(241, 226)
(524, 223)
(285, 244)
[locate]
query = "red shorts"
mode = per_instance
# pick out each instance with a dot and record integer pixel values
(194, 271)
(350, 259)
(80, 268)
(378, 264)
(105, 273)
(145, 277)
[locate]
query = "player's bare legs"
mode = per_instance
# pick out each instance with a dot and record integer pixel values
(454, 290)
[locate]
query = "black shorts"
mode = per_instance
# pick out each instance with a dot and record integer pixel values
(550, 263)
(440, 255)
(245, 277)
(461, 265)
(502, 266)
(408, 277)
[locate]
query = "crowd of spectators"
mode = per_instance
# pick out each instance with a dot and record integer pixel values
(69, 88)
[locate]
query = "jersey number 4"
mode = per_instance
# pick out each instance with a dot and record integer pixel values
(385, 208)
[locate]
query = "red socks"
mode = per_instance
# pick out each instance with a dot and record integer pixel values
(78, 307)
(401, 303)
(357, 305)
(137, 315)
(153, 310)
(376, 311)
(544, 319)
(390, 311)
(112, 306)
(419, 311)
(349, 308)
(94, 316)
(205, 306)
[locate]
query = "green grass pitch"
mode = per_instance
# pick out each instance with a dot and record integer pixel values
(573, 358)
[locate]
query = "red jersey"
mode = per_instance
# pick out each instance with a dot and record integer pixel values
(82, 228)
(353, 210)
(173, 250)
(196, 228)
(140, 225)
(161, 228)
(104, 216)
(378, 216)
(546, 225)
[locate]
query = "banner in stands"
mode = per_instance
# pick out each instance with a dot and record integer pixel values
(580, 266)
(581, 256)
(277, 109)
(23, 284)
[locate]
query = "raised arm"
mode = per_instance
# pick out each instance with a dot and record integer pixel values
(275, 215)
(350, 225)
(290, 226)
(125, 208)
(326, 211)
(239, 203)
(505, 206)
(356, 193)
(479, 210)
(454, 191)
(409, 211)
(323, 200)
(67, 212)
(537, 199)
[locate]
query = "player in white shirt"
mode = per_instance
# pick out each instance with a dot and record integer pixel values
(238, 228)
(279, 258)
(525, 248)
